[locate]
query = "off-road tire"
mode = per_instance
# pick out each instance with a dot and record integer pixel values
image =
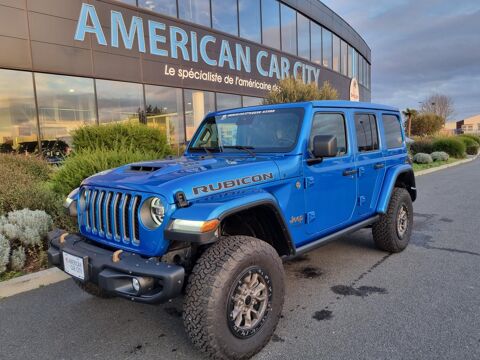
(93, 289)
(385, 232)
(208, 292)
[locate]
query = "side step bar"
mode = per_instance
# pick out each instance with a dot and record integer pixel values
(329, 238)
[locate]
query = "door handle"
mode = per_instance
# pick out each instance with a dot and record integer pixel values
(378, 166)
(349, 172)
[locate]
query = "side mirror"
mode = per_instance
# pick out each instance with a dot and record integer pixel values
(325, 146)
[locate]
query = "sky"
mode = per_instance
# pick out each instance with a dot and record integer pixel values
(420, 47)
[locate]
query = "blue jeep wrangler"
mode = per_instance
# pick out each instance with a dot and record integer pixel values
(255, 186)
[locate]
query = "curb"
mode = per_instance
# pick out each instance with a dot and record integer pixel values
(443, 167)
(31, 282)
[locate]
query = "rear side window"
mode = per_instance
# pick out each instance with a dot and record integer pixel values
(330, 124)
(393, 131)
(367, 132)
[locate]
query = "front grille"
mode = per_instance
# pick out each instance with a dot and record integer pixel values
(112, 215)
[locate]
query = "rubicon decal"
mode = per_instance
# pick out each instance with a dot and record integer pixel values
(229, 184)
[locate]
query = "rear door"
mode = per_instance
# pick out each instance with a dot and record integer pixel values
(331, 185)
(369, 161)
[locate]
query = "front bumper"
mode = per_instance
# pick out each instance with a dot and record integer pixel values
(162, 281)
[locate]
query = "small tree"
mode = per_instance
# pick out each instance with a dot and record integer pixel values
(426, 124)
(292, 90)
(438, 104)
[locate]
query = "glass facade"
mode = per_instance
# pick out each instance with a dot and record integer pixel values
(336, 53)
(327, 48)
(228, 101)
(196, 11)
(18, 120)
(197, 105)
(64, 103)
(167, 7)
(164, 110)
(316, 43)
(225, 16)
(344, 58)
(249, 18)
(289, 29)
(252, 101)
(303, 34)
(271, 23)
(118, 101)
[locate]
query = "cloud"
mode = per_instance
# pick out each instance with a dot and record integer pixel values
(420, 47)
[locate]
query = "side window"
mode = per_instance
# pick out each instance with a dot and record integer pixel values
(330, 124)
(393, 131)
(367, 132)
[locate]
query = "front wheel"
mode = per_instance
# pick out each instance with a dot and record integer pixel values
(393, 231)
(234, 298)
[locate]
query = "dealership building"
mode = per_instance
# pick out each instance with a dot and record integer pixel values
(165, 63)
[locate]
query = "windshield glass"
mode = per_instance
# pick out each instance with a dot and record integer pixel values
(274, 130)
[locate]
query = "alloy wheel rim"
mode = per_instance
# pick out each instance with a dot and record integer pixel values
(402, 221)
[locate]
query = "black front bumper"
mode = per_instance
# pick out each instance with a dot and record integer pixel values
(160, 281)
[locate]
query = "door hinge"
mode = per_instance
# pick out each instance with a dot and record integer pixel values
(310, 217)
(361, 171)
(362, 200)
(309, 182)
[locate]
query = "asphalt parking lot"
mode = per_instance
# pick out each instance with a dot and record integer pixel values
(347, 300)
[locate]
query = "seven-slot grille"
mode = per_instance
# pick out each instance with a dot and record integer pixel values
(112, 215)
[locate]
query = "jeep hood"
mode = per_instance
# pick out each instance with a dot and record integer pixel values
(194, 176)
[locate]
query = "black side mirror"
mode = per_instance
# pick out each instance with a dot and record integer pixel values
(325, 146)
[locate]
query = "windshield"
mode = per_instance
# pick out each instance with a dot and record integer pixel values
(274, 130)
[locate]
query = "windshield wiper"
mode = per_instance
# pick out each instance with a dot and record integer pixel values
(243, 148)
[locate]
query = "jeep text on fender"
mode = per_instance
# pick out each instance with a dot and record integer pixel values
(255, 186)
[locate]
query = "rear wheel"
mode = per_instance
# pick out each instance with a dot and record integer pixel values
(393, 231)
(234, 298)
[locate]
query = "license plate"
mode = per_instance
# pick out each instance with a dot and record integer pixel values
(74, 265)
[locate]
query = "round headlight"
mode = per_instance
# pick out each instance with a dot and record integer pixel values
(152, 213)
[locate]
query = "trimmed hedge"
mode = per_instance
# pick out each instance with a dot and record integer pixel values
(471, 136)
(439, 156)
(421, 146)
(83, 164)
(451, 145)
(422, 158)
(121, 136)
(471, 145)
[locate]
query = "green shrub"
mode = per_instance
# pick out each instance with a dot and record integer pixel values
(31, 227)
(18, 259)
(439, 156)
(292, 90)
(421, 146)
(86, 163)
(121, 136)
(422, 158)
(4, 253)
(451, 145)
(471, 136)
(471, 145)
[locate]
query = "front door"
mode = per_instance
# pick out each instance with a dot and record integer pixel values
(331, 185)
(370, 163)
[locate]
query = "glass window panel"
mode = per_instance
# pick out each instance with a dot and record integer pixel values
(355, 64)
(350, 62)
(165, 111)
(197, 105)
(249, 12)
(224, 16)
(327, 48)
(393, 131)
(18, 123)
(228, 101)
(166, 7)
(289, 29)
(196, 11)
(303, 25)
(271, 23)
(252, 101)
(367, 132)
(64, 103)
(336, 53)
(316, 43)
(344, 58)
(332, 125)
(118, 101)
